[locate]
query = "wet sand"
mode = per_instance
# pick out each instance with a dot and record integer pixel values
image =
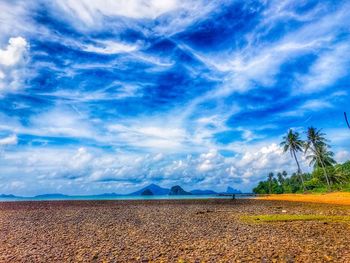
(169, 231)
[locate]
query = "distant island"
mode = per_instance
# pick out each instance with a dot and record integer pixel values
(150, 190)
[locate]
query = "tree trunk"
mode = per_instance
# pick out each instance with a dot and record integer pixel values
(325, 172)
(323, 166)
(299, 171)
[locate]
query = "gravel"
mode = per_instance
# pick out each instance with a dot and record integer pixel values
(168, 231)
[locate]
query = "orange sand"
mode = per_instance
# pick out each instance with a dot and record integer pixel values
(339, 198)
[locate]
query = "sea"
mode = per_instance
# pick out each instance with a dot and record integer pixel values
(121, 197)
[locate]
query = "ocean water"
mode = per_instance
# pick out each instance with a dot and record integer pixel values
(126, 197)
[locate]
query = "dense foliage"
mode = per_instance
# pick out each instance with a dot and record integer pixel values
(326, 174)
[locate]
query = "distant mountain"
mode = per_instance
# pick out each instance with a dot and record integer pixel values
(177, 190)
(8, 196)
(203, 192)
(151, 189)
(231, 190)
(155, 189)
(44, 196)
(147, 192)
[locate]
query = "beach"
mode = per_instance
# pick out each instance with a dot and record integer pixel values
(171, 231)
(337, 198)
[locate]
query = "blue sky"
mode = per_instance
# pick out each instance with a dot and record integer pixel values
(108, 96)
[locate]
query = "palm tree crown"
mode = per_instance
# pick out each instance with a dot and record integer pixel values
(315, 139)
(323, 157)
(292, 143)
(320, 156)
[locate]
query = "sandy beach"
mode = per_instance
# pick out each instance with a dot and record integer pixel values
(337, 198)
(170, 231)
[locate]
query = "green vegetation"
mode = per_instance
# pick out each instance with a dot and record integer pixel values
(289, 218)
(326, 174)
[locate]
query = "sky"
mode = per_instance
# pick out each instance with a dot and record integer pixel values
(109, 96)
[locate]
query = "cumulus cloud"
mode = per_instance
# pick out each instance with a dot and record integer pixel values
(14, 52)
(12, 58)
(86, 165)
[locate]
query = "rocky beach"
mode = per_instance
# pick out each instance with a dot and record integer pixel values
(171, 231)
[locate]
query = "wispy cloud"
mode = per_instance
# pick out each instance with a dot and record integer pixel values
(111, 95)
(10, 140)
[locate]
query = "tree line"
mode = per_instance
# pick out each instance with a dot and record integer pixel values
(326, 175)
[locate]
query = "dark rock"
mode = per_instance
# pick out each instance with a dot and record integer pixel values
(177, 190)
(155, 189)
(147, 192)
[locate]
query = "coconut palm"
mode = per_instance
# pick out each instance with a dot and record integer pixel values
(284, 173)
(280, 179)
(319, 154)
(292, 143)
(324, 158)
(270, 179)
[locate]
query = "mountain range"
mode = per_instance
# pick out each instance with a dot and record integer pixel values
(151, 189)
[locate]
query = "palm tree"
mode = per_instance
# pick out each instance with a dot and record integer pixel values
(280, 179)
(320, 156)
(325, 157)
(270, 178)
(292, 143)
(284, 173)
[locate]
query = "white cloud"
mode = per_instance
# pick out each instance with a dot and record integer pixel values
(15, 17)
(150, 134)
(258, 62)
(120, 91)
(14, 52)
(205, 166)
(109, 47)
(81, 158)
(10, 140)
(12, 58)
(329, 67)
(82, 170)
(61, 121)
(342, 156)
(90, 12)
(339, 136)
(316, 104)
